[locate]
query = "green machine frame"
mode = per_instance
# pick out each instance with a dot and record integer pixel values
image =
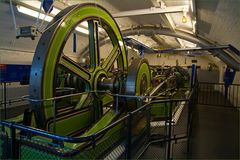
(49, 56)
(85, 117)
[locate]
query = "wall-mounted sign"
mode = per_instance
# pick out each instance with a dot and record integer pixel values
(194, 61)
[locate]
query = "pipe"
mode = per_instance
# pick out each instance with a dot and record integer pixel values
(150, 31)
(226, 58)
(13, 16)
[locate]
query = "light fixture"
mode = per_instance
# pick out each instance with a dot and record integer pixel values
(184, 17)
(120, 43)
(194, 25)
(85, 24)
(47, 18)
(36, 5)
(135, 50)
(33, 13)
(82, 30)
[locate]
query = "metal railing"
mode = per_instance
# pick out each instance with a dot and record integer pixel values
(127, 137)
(7, 102)
(217, 94)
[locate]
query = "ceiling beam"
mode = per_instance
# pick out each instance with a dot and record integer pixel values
(167, 19)
(150, 11)
(164, 18)
(160, 41)
(150, 31)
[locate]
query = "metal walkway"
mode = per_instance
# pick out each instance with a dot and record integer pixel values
(215, 128)
(215, 133)
(178, 150)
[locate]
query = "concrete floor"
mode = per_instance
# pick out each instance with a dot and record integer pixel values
(13, 111)
(215, 133)
(179, 149)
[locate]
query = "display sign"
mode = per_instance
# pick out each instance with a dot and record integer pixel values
(14, 73)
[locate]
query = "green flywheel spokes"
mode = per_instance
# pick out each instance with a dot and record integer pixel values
(48, 56)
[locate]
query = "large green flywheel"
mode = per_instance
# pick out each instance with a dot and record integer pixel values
(86, 101)
(138, 82)
(49, 57)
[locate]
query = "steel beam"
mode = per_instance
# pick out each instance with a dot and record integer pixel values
(160, 41)
(167, 19)
(207, 48)
(149, 11)
(150, 31)
(164, 17)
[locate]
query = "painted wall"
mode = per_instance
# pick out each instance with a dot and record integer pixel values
(20, 51)
(172, 59)
(215, 76)
(234, 91)
(218, 21)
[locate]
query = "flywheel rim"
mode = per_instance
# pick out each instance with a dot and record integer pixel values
(48, 53)
(138, 70)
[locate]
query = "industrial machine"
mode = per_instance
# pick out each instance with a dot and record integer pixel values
(75, 100)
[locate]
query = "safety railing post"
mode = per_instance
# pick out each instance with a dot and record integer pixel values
(169, 132)
(116, 104)
(14, 154)
(193, 76)
(196, 91)
(129, 136)
(54, 116)
(148, 122)
(191, 104)
(5, 99)
(93, 141)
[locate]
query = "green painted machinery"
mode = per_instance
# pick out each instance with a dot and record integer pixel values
(50, 65)
(55, 74)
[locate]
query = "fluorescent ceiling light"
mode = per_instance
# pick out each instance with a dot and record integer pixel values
(191, 6)
(36, 4)
(181, 43)
(85, 24)
(194, 26)
(44, 17)
(33, 13)
(120, 43)
(135, 49)
(82, 30)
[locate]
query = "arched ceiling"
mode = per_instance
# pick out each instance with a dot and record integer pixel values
(171, 20)
(219, 21)
(215, 21)
(208, 22)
